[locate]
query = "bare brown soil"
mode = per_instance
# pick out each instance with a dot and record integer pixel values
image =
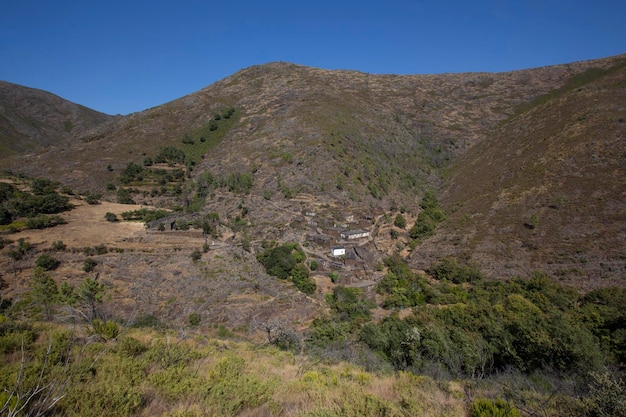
(86, 226)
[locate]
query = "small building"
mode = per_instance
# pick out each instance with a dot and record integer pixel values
(338, 251)
(320, 239)
(354, 234)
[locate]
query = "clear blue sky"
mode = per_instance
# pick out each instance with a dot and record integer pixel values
(126, 56)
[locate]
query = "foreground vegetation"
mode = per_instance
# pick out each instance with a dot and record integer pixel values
(468, 346)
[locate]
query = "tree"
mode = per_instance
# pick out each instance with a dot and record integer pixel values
(91, 292)
(348, 304)
(300, 277)
(44, 290)
(400, 221)
(424, 226)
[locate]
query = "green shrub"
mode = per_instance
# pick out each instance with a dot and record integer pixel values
(92, 198)
(105, 329)
(132, 172)
(14, 334)
(233, 389)
(483, 407)
(194, 319)
(58, 246)
(100, 249)
(47, 262)
(449, 269)
(428, 219)
(402, 287)
(124, 196)
(280, 260)
(147, 320)
(348, 304)
(144, 214)
(287, 262)
(300, 277)
(170, 155)
(424, 226)
(41, 221)
(400, 221)
(89, 265)
(110, 217)
(132, 347)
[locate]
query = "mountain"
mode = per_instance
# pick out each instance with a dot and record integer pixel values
(31, 119)
(545, 189)
(500, 149)
(200, 257)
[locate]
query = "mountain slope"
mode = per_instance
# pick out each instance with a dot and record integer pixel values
(532, 178)
(371, 139)
(546, 190)
(32, 119)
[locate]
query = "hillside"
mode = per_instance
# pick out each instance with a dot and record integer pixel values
(374, 143)
(31, 119)
(545, 190)
(295, 241)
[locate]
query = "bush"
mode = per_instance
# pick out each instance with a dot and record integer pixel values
(449, 269)
(483, 407)
(287, 262)
(92, 198)
(58, 246)
(280, 260)
(107, 330)
(42, 221)
(400, 221)
(424, 226)
(196, 255)
(348, 304)
(47, 262)
(300, 277)
(131, 347)
(428, 218)
(607, 394)
(89, 265)
(110, 217)
(132, 172)
(170, 155)
(194, 319)
(124, 196)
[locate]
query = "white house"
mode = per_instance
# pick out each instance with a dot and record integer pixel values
(354, 234)
(338, 251)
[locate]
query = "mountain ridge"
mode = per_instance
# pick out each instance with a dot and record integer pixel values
(33, 119)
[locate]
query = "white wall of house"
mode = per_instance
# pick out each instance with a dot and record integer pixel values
(354, 234)
(338, 251)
